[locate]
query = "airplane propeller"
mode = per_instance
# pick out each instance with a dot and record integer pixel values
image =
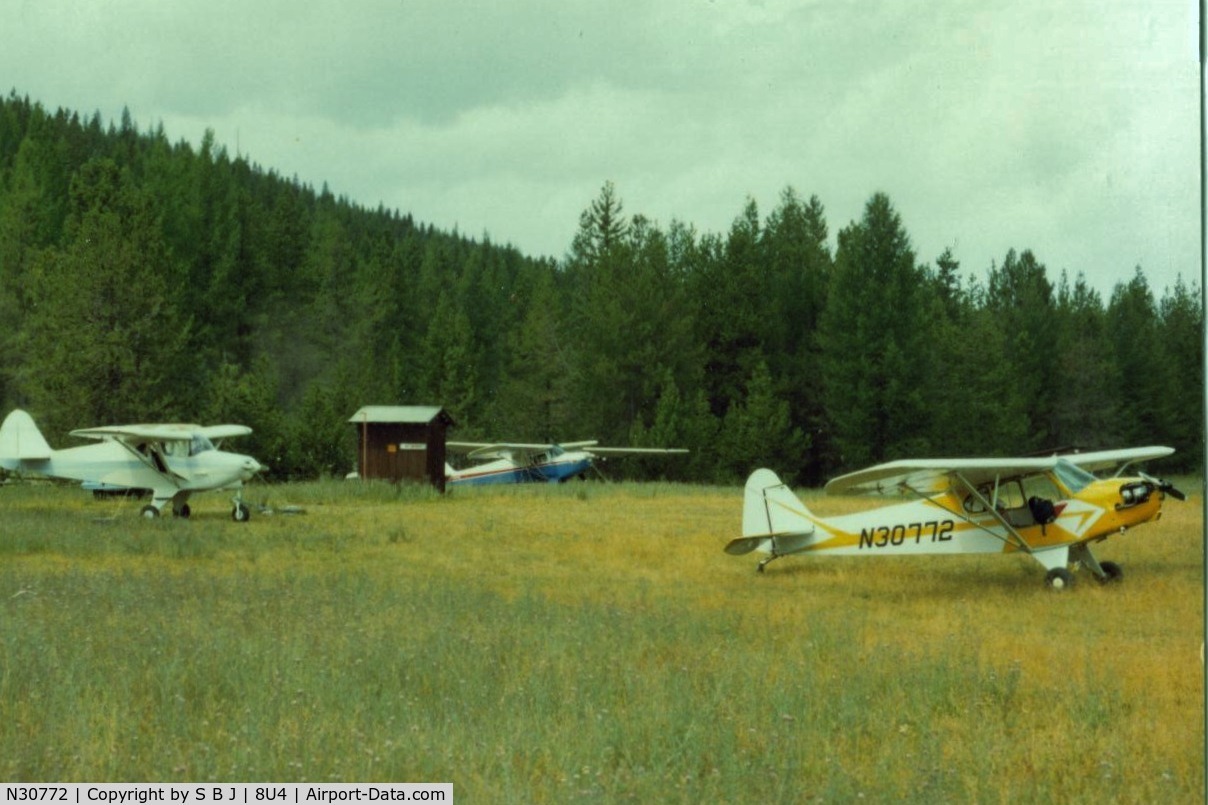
(1165, 487)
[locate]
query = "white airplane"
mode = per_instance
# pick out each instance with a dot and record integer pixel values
(1051, 509)
(172, 461)
(514, 463)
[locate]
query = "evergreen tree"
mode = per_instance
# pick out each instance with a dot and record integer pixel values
(534, 397)
(794, 242)
(975, 407)
(874, 368)
(106, 342)
(1086, 389)
(732, 323)
(1020, 297)
(758, 431)
(286, 306)
(602, 226)
(1146, 374)
(1180, 338)
(449, 373)
(680, 422)
(249, 397)
(630, 321)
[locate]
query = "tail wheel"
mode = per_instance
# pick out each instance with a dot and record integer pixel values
(1059, 579)
(1111, 572)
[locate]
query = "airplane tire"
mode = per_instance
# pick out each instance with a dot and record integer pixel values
(183, 512)
(241, 513)
(1112, 572)
(1059, 579)
(150, 512)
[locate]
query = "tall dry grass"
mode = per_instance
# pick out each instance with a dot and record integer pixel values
(544, 644)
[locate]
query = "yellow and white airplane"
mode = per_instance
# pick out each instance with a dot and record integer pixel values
(1051, 509)
(172, 461)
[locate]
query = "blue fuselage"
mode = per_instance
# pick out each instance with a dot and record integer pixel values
(506, 471)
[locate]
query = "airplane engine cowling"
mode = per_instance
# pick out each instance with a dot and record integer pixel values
(1134, 494)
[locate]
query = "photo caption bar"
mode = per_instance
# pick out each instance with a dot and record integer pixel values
(226, 793)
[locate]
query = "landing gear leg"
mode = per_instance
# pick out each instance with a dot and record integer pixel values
(240, 513)
(764, 562)
(1105, 572)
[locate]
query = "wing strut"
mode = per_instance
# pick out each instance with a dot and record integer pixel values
(1013, 536)
(1018, 540)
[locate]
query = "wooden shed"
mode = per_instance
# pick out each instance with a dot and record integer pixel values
(402, 442)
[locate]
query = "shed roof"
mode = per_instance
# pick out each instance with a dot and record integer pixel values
(407, 414)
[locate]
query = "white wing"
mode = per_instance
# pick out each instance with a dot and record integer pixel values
(934, 475)
(161, 433)
(629, 451)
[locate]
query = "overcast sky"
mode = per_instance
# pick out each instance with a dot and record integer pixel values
(1069, 128)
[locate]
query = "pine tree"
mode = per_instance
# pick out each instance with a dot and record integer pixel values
(106, 341)
(449, 370)
(732, 294)
(794, 242)
(1086, 391)
(1180, 338)
(1020, 296)
(630, 321)
(874, 366)
(758, 431)
(249, 397)
(1145, 370)
(534, 397)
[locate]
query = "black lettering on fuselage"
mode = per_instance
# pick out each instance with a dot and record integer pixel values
(884, 536)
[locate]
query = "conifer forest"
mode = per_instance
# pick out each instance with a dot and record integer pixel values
(147, 280)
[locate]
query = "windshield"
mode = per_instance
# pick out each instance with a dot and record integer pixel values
(200, 444)
(1072, 477)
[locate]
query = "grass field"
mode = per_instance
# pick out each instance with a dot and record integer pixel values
(588, 641)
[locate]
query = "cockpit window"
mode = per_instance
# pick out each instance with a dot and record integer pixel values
(1072, 477)
(1014, 493)
(1003, 495)
(1041, 486)
(200, 444)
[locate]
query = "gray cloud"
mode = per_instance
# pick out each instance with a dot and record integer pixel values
(1067, 128)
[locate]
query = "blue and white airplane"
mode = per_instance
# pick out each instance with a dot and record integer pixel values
(515, 463)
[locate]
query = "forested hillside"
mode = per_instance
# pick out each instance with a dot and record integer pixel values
(144, 280)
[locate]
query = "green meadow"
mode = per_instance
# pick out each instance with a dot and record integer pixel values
(588, 641)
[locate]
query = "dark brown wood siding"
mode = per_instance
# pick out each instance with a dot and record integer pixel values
(403, 452)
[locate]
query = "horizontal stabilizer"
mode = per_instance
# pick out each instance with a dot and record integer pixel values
(741, 545)
(20, 440)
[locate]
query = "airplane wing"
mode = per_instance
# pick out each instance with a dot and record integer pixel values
(137, 433)
(931, 476)
(1112, 459)
(162, 433)
(626, 451)
(216, 432)
(522, 451)
(488, 451)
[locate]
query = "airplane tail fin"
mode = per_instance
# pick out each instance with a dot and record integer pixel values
(20, 440)
(773, 518)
